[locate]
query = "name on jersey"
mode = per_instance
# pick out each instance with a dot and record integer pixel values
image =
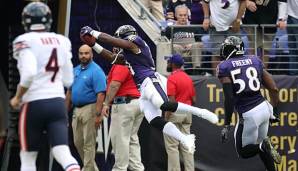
(50, 41)
(242, 62)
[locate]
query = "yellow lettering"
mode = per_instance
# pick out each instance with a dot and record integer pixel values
(283, 165)
(274, 141)
(293, 91)
(287, 165)
(292, 165)
(282, 116)
(211, 91)
(292, 119)
(282, 142)
(218, 92)
(283, 95)
(220, 111)
(292, 142)
(287, 118)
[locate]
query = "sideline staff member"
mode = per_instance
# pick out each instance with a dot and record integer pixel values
(87, 94)
(179, 88)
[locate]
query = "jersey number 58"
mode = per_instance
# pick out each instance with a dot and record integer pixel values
(252, 75)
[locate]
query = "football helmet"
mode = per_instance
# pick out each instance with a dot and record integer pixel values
(232, 46)
(124, 31)
(36, 16)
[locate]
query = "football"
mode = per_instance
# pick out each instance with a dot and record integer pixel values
(88, 39)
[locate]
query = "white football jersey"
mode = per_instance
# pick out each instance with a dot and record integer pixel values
(44, 64)
(222, 17)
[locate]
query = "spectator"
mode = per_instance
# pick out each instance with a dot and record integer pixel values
(44, 64)
(86, 95)
(293, 36)
(196, 11)
(155, 7)
(185, 39)
(171, 6)
(279, 53)
(264, 12)
(222, 15)
(179, 88)
(126, 118)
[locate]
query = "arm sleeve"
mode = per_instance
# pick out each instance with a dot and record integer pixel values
(221, 71)
(27, 64)
(99, 81)
(282, 9)
(136, 40)
(67, 68)
(229, 102)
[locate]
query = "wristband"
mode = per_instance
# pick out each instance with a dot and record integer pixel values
(105, 104)
(98, 49)
(206, 17)
(95, 33)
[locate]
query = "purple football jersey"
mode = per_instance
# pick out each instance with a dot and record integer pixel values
(246, 75)
(141, 65)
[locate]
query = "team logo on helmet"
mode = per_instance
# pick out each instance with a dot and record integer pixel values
(36, 16)
(124, 31)
(232, 46)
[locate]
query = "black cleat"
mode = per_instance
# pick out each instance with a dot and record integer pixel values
(269, 149)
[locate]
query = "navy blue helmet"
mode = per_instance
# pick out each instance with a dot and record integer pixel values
(36, 16)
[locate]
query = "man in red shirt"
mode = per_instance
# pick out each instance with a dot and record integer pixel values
(179, 88)
(126, 118)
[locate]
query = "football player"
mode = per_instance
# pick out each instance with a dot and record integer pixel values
(45, 67)
(241, 78)
(152, 85)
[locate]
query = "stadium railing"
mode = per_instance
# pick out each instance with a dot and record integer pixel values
(276, 49)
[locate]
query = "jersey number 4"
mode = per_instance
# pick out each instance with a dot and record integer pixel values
(52, 65)
(253, 81)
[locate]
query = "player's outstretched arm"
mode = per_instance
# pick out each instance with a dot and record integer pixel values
(104, 53)
(106, 38)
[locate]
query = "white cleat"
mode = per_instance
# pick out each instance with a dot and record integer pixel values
(209, 116)
(189, 143)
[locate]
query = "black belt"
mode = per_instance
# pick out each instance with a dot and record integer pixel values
(123, 99)
(82, 105)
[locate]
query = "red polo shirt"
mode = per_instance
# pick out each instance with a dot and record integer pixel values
(122, 74)
(181, 86)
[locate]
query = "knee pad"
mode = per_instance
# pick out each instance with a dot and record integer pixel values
(169, 106)
(158, 122)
